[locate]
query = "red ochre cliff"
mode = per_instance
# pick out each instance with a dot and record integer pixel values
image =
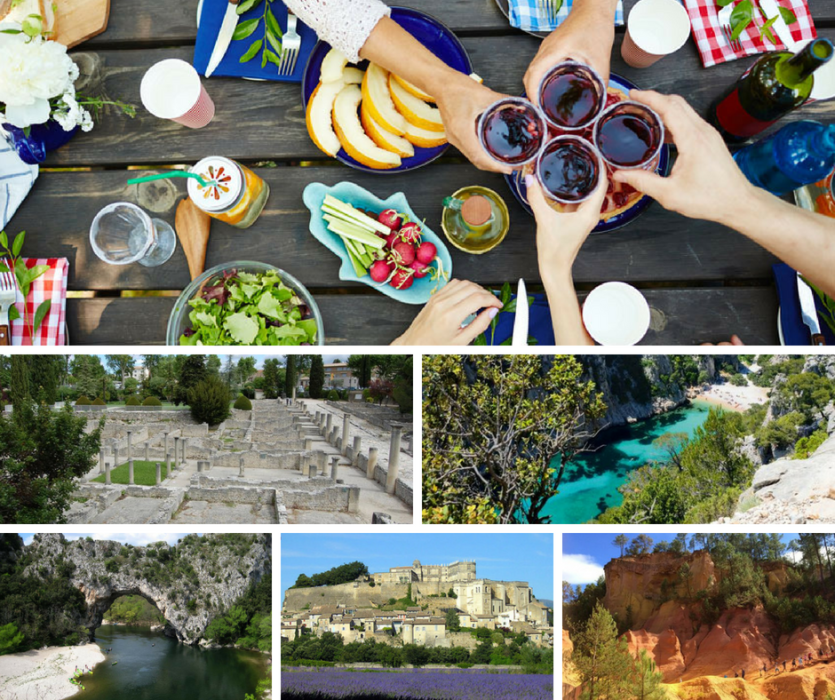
(659, 598)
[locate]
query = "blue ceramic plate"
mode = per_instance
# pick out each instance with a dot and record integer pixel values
(516, 180)
(422, 289)
(434, 36)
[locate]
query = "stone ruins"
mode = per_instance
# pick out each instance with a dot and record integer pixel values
(287, 461)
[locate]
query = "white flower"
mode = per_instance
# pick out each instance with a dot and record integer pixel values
(86, 121)
(32, 72)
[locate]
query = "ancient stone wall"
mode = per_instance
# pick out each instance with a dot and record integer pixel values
(362, 595)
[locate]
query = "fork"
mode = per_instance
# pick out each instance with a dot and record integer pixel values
(8, 294)
(549, 7)
(725, 23)
(290, 45)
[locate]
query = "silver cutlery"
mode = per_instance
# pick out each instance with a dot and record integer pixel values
(290, 45)
(809, 311)
(8, 294)
(224, 37)
(725, 24)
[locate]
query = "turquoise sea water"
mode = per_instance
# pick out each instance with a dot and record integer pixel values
(151, 666)
(590, 484)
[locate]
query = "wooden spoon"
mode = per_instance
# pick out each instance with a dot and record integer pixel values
(193, 226)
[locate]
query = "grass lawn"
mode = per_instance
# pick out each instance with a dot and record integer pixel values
(144, 473)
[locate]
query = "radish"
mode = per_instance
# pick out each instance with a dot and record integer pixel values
(390, 218)
(426, 252)
(403, 253)
(402, 279)
(420, 269)
(391, 239)
(380, 270)
(410, 232)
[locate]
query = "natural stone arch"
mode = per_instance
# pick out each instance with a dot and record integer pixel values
(209, 575)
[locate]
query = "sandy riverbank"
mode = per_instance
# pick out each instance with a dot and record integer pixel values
(44, 674)
(733, 398)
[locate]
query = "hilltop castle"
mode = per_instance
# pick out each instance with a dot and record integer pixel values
(446, 573)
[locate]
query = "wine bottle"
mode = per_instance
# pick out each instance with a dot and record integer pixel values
(798, 154)
(775, 85)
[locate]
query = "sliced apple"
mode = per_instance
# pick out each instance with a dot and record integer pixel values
(375, 92)
(385, 139)
(352, 76)
(352, 136)
(415, 110)
(318, 117)
(332, 66)
(414, 89)
(422, 138)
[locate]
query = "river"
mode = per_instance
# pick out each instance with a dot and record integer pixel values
(151, 666)
(591, 481)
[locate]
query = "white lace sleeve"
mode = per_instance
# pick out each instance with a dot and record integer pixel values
(344, 24)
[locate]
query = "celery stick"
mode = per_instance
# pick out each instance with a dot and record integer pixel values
(359, 270)
(343, 229)
(339, 214)
(355, 213)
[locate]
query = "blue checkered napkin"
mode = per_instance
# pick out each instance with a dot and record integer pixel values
(16, 179)
(532, 15)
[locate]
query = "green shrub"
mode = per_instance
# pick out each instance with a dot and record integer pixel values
(99, 402)
(132, 401)
(333, 395)
(739, 380)
(806, 446)
(209, 401)
(152, 401)
(82, 401)
(242, 403)
(249, 390)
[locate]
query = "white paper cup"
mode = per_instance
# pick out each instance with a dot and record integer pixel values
(654, 29)
(615, 313)
(171, 89)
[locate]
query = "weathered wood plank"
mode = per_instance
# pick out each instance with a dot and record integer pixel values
(160, 21)
(659, 246)
(264, 121)
(680, 317)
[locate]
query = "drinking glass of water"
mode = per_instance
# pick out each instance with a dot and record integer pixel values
(122, 233)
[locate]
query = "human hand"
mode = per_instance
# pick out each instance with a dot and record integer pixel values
(587, 35)
(705, 182)
(560, 235)
(439, 322)
(461, 101)
(735, 340)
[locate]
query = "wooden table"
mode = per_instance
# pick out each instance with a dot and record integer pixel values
(703, 282)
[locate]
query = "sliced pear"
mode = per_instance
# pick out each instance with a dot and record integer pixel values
(332, 66)
(415, 110)
(385, 139)
(318, 117)
(422, 138)
(375, 92)
(352, 136)
(352, 76)
(414, 89)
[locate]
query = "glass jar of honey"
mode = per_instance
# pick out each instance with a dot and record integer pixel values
(234, 193)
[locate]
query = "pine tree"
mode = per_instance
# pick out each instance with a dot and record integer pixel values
(645, 680)
(601, 659)
(290, 376)
(43, 377)
(317, 377)
(620, 541)
(19, 382)
(192, 373)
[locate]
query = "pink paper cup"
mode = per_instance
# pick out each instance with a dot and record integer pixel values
(654, 29)
(172, 89)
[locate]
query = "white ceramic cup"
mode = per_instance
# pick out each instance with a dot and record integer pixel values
(615, 313)
(172, 89)
(654, 29)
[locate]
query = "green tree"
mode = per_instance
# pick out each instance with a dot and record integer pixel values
(363, 367)
(290, 375)
(192, 373)
(245, 369)
(44, 371)
(473, 404)
(317, 377)
(620, 541)
(19, 388)
(213, 365)
(121, 365)
(402, 386)
(209, 401)
(273, 378)
(601, 659)
(645, 679)
(10, 638)
(87, 373)
(642, 544)
(453, 624)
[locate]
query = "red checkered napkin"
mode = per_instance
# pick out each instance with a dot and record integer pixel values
(52, 284)
(714, 49)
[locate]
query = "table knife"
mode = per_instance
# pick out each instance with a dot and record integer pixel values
(224, 37)
(521, 322)
(781, 29)
(809, 311)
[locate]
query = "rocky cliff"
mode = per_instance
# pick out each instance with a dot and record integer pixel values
(190, 583)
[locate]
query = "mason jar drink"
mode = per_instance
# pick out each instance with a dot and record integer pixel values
(234, 193)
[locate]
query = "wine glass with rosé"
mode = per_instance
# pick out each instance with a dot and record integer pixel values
(572, 95)
(629, 135)
(569, 169)
(512, 131)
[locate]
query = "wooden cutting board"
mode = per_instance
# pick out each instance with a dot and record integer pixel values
(79, 20)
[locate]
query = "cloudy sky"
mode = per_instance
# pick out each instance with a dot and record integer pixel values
(511, 557)
(136, 539)
(584, 555)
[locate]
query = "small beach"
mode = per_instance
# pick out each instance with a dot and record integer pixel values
(734, 398)
(44, 674)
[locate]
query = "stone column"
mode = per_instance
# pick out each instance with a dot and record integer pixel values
(308, 444)
(394, 456)
(130, 472)
(346, 429)
(159, 474)
(372, 463)
(107, 473)
(130, 432)
(183, 454)
(200, 466)
(176, 450)
(165, 451)
(329, 424)
(312, 472)
(334, 467)
(294, 394)
(167, 462)
(101, 461)
(241, 473)
(355, 453)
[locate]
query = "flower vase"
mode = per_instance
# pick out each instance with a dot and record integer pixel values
(42, 138)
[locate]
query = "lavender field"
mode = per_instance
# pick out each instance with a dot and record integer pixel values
(453, 684)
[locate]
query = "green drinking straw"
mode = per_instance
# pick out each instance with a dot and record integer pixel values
(169, 174)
